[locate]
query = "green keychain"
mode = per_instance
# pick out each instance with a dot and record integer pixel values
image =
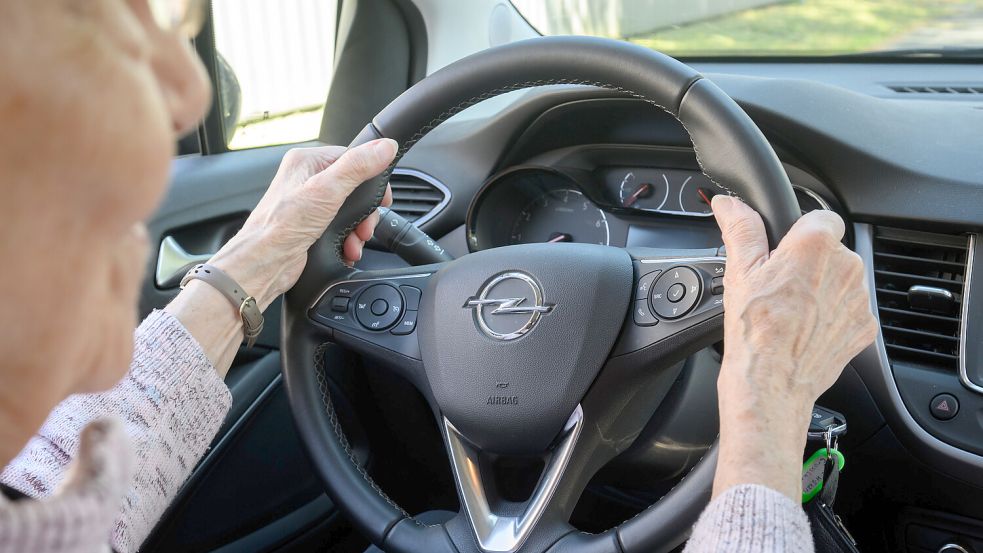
(813, 469)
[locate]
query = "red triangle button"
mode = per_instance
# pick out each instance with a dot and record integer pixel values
(944, 406)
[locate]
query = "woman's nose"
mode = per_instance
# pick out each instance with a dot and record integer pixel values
(184, 83)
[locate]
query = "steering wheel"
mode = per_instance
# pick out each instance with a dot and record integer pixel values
(556, 351)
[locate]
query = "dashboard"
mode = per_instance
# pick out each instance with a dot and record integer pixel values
(610, 195)
(585, 165)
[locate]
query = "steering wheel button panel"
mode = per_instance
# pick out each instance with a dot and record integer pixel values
(379, 307)
(358, 322)
(669, 308)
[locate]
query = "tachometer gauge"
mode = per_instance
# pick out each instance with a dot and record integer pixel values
(644, 192)
(560, 215)
(695, 194)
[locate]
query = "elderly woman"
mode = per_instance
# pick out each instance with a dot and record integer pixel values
(93, 453)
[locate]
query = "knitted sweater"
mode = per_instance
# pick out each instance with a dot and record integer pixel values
(162, 416)
(105, 466)
(750, 519)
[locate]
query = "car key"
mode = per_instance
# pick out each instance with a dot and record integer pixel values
(824, 419)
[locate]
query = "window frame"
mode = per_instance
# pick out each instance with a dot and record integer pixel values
(211, 137)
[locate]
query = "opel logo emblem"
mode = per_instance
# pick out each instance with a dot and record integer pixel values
(513, 294)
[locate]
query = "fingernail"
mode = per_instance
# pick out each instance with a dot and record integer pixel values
(385, 149)
(721, 202)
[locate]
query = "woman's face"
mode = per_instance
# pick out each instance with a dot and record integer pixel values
(93, 97)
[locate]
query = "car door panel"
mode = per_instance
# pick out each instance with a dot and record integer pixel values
(254, 489)
(254, 479)
(208, 199)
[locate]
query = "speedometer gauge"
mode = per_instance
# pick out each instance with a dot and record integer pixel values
(560, 215)
(530, 204)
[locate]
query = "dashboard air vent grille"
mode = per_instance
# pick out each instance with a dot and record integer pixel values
(974, 88)
(416, 196)
(922, 329)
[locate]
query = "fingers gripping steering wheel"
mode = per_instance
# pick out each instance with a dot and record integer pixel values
(529, 349)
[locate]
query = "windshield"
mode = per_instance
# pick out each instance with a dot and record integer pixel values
(712, 28)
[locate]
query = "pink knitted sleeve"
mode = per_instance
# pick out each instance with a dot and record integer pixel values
(171, 404)
(751, 519)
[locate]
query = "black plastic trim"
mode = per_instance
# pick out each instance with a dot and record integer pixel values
(273, 534)
(874, 368)
(210, 133)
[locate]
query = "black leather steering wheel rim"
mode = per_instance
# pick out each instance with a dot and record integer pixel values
(730, 149)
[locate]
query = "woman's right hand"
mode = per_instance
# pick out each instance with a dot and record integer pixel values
(794, 317)
(267, 256)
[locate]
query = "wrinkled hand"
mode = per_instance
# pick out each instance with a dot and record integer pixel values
(269, 253)
(794, 317)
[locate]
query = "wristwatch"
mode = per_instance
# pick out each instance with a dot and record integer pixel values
(252, 318)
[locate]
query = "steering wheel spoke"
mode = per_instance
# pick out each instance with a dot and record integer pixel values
(496, 530)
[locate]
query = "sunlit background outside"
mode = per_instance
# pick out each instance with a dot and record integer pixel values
(280, 53)
(765, 27)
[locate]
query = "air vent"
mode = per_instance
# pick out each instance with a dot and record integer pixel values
(920, 325)
(965, 88)
(418, 197)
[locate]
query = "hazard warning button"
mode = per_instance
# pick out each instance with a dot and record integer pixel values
(944, 406)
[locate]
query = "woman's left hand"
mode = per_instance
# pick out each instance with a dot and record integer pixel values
(267, 256)
(794, 318)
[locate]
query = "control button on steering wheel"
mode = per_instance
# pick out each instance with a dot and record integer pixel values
(378, 307)
(676, 292)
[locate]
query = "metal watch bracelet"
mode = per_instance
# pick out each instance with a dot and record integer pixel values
(252, 318)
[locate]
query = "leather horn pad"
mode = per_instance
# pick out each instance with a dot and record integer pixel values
(507, 367)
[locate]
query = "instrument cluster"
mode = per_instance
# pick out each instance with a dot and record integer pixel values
(655, 190)
(532, 203)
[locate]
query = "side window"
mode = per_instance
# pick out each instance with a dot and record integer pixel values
(275, 61)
